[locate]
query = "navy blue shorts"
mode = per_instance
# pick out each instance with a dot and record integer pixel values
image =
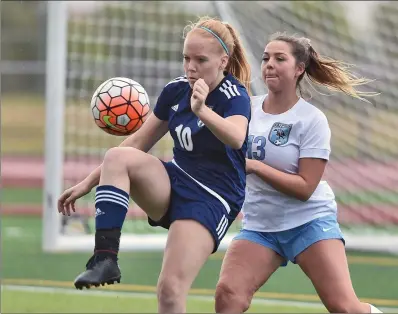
(192, 200)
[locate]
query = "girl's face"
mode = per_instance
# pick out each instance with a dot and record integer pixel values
(279, 68)
(204, 58)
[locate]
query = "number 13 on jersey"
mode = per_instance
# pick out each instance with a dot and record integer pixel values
(256, 147)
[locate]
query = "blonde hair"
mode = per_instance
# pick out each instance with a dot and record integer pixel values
(238, 64)
(333, 74)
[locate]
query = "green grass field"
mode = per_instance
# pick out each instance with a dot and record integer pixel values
(62, 301)
(375, 277)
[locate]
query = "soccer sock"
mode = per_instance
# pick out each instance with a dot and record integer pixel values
(111, 205)
(374, 309)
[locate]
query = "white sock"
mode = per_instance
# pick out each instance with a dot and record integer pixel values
(374, 309)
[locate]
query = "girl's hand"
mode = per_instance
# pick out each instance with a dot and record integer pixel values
(200, 91)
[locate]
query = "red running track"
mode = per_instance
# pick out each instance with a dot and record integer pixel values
(346, 176)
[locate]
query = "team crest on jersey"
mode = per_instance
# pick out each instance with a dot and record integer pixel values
(200, 123)
(279, 134)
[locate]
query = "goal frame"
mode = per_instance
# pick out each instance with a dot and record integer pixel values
(56, 70)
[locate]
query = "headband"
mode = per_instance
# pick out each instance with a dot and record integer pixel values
(217, 37)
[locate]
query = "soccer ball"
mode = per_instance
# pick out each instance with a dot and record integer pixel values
(120, 106)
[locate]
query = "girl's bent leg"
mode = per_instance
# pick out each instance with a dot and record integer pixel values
(124, 169)
(141, 175)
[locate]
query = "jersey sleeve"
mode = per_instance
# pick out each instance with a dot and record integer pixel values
(167, 98)
(163, 104)
(316, 140)
(239, 104)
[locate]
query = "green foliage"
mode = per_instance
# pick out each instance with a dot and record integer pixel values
(19, 14)
(21, 30)
(386, 24)
(324, 22)
(129, 25)
(325, 17)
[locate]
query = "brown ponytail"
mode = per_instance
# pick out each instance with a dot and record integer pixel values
(333, 74)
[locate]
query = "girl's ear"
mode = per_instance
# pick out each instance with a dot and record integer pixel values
(300, 68)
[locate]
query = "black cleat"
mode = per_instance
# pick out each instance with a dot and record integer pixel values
(99, 271)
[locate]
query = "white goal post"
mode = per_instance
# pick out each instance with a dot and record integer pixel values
(143, 40)
(54, 136)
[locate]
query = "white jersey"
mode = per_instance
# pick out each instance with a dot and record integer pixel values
(280, 141)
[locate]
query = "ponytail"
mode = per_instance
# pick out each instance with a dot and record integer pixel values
(238, 64)
(333, 74)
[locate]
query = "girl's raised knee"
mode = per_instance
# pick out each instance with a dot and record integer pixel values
(114, 154)
(122, 156)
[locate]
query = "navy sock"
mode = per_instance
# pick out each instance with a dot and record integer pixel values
(111, 205)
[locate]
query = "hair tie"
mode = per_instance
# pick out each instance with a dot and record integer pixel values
(217, 37)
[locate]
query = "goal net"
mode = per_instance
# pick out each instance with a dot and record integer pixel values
(143, 41)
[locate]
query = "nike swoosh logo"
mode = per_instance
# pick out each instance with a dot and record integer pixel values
(109, 123)
(326, 229)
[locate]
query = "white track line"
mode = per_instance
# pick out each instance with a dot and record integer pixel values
(145, 295)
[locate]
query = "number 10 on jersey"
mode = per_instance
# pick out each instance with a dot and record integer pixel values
(185, 137)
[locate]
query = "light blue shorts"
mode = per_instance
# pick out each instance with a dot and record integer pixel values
(290, 243)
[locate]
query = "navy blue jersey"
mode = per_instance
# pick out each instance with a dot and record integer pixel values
(196, 150)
